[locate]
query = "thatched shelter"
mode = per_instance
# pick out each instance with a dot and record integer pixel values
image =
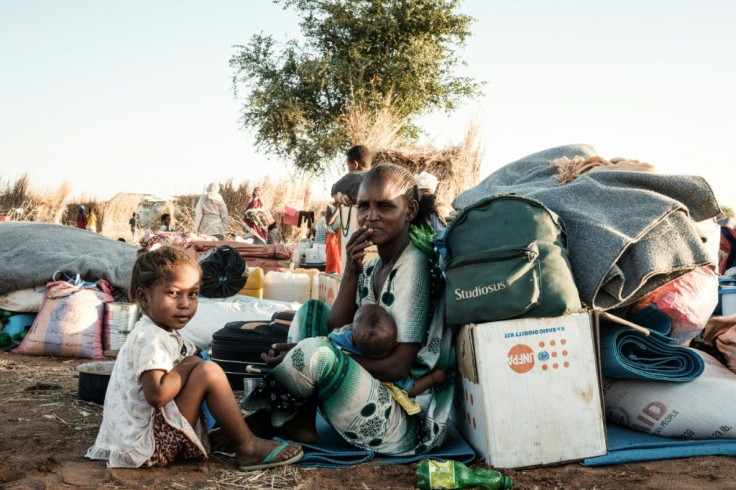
(455, 166)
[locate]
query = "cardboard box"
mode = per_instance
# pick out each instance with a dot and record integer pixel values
(529, 390)
(328, 285)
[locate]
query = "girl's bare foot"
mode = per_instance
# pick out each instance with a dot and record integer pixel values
(252, 455)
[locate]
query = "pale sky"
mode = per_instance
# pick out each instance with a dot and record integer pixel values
(136, 96)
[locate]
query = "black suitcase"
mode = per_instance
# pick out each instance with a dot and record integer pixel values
(237, 347)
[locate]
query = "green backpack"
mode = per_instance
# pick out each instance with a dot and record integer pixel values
(505, 257)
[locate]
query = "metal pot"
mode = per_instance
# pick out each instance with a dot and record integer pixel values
(93, 380)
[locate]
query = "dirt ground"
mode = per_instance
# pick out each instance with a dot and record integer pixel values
(46, 430)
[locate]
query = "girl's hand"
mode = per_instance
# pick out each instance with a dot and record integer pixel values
(276, 354)
(355, 250)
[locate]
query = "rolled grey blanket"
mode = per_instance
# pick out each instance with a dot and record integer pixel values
(31, 252)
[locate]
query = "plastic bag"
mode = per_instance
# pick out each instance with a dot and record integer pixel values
(224, 272)
(688, 302)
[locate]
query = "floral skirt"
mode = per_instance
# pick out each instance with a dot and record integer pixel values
(171, 444)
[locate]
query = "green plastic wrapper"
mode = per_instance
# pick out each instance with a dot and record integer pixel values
(435, 475)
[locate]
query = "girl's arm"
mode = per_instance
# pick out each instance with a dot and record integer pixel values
(160, 387)
(393, 367)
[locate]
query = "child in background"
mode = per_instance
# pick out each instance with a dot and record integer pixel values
(133, 222)
(373, 335)
(92, 220)
(166, 222)
(153, 403)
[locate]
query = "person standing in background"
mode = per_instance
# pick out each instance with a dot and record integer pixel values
(92, 220)
(359, 158)
(332, 240)
(427, 184)
(210, 213)
(81, 218)
(133, 222)
(251, 218)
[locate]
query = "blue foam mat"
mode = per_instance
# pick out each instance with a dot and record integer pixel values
(332, 451)
(629, 446)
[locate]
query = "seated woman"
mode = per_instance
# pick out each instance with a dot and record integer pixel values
(349, 389)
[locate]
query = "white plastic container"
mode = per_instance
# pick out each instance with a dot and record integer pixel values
(728, 300)
(300, 252)
(287, 286)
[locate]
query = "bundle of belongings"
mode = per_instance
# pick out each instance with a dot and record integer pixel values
(564, 229)
(65, 291)
(61, 279)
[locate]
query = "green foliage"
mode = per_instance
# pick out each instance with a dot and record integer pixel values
(355, 53)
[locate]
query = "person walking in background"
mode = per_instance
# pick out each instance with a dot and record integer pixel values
(92, 220)
(81, 218)
(166, 222)
(133, 222)
(210, 213)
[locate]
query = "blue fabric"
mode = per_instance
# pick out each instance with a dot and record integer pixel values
(343, 338)
(629, 354)
(332, 451)
(628, 446)
(210, 421)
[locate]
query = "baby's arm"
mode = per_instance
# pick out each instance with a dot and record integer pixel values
(161, 387)
(425, 382)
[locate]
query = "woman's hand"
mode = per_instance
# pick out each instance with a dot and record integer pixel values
(276, 354)
(355, 250)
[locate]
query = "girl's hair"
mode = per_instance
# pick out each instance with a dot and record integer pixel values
(150, 266)
(406, 184)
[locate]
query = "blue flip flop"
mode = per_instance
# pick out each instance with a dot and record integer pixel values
(267, 461)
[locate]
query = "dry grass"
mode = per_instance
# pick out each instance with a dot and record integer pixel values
(21, 203)
(280, 477)
(455, 166)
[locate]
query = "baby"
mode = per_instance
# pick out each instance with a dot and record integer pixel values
(373, 335)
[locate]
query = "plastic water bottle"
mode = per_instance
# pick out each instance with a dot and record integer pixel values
(433, 475)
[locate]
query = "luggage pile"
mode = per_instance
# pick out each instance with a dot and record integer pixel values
(562, 264)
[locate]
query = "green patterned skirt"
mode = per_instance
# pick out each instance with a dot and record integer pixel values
(355, 403)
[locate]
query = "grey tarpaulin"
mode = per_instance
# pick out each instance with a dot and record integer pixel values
(628, 232)
(31, 252)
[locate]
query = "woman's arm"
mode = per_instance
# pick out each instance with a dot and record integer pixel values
(395, 366)
(160, 387)
(343, 309)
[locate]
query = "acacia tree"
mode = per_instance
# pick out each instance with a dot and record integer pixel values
(355, 53)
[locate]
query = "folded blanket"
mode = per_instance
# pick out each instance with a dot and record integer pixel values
(628, 233)
(31, 252)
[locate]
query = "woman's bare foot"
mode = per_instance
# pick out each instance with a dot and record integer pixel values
(259, 424)
(303, 427)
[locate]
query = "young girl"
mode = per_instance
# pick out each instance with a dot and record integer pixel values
(153, 403)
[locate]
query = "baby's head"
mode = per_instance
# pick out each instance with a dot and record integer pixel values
(374, 331)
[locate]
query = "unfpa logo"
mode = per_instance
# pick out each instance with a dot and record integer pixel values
(521, 358)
